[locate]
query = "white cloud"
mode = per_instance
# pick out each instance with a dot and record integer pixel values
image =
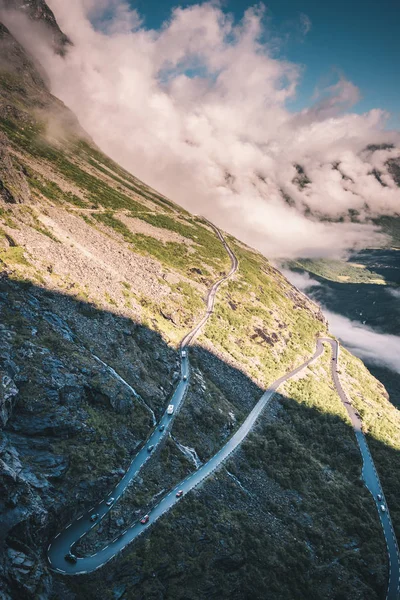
(378, 348)
(302, 281)
(393, 292)
(305, 23)
(364, 342)
(197, 109)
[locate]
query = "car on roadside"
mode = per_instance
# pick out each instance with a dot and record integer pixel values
(70, 557)
(110, 501)
(379, 497)
(179, 494)
(150, 448)
(161, 428)
(145, 519)
(94, 517)
(383, 508)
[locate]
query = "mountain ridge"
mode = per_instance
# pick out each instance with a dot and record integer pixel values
(97, 266)
(39, 11)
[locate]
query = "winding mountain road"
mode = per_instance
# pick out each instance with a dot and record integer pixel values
(64, 541)
(371, 479)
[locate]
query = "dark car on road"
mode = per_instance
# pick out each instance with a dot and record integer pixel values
(179, 494)
(162, 427)
(70, 557)
(144, 519)
(150, 448)
(94, 517)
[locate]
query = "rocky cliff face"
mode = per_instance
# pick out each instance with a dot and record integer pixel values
(37, 10)
(100, 278)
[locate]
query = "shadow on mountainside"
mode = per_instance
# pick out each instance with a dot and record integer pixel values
(286, 517)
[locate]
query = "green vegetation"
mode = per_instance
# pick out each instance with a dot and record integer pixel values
(6, 217)
(337, 270)
(122, 176)
(109, 299)
(260, 322)
(95, 189)
(11, 82)
(208, 248)
(36, 224)
(381, 422)
(171, 254)
(295, 523)
(108, 219)
(390, 226)
(12, 256)
(371, 303)
(31, 139)
(137, 189)
(52, 191)
(358, 298)
(103, 422)
(193, 303)
(207, 245)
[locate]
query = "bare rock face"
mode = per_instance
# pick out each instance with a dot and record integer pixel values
(394, 169)
(14, 187)
(8, 372)
(8, 393)
(54, 395)
(37, 10)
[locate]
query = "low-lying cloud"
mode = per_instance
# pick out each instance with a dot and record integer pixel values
(364, 342)
(302, 281)
(367, 344)
(393, 292)
(198, 110)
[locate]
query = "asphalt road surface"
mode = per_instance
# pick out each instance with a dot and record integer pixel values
(76, 530)
(65, 541)
(371, 480)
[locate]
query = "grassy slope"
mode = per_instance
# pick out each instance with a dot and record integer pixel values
(287, 518)
(291, 466)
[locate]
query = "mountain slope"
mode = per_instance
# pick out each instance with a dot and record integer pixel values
(364, 285)
(38, 11)
(100, 275)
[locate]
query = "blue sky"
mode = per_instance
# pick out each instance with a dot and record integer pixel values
(356, 38)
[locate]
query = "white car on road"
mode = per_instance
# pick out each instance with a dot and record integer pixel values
(170, 409)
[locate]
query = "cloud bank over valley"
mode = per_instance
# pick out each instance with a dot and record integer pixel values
(198, 110)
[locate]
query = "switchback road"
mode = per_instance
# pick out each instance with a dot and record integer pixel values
(64, 541)
(371, 479)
